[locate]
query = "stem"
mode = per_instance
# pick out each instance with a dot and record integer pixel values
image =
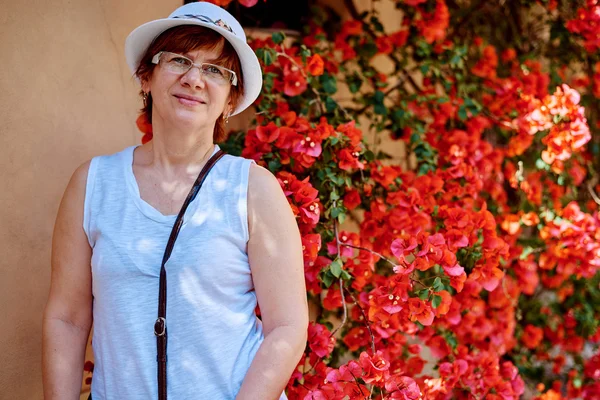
(369, 250)
(365, 318)
(341, 281)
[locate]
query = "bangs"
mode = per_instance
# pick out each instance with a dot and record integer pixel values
(187, 38)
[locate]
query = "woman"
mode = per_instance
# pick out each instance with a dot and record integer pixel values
(238, 245)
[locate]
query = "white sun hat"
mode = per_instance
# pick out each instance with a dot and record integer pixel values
(209, 16)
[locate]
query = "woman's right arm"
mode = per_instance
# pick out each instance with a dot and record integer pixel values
(68, 314)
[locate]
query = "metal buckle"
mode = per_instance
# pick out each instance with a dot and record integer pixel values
(160, 326)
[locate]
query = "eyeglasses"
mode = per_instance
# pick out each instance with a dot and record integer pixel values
(179, 64)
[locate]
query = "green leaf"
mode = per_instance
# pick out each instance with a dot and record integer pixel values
(345, 275)
(437, 284)
(267, 57)
(377, 26)
(274, 165)
(424, 294)
(330, 104)
(327, 278)
(462, 113)
(278, 37)
(379, 108)
(304, 52)
(354, 82)
(335, 211)
(437, 300)
(336, 267)
(328, 83)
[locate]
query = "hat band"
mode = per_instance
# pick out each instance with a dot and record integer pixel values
(204, 18)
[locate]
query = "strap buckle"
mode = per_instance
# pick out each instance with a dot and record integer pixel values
(160, 326)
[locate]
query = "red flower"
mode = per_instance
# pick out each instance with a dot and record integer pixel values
(320, 340)
(352, 199)
(248, 3)
(351, 131)
(374, 367)
(267, 134)
(384, 45)
(433, 25)
(356, 338)
(351, 27)
(403, 388)
(348, 159)
(294, 81)
(399, 38)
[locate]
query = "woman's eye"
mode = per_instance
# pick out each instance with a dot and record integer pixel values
(179, 60)
(213, 70)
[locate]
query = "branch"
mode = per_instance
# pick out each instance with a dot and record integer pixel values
(590, 187)
(465, 18)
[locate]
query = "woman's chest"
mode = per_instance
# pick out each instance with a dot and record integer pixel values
(205, 255)
(165, 195)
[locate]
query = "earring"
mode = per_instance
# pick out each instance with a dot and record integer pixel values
(227, 118)
(145, 99)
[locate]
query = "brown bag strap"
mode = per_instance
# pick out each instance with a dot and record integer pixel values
(160, 326)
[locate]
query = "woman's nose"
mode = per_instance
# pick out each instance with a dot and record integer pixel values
(194, 77)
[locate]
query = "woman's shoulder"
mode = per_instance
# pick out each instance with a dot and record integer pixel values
(263, 187)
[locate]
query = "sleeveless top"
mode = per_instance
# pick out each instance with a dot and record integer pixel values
(213, 332)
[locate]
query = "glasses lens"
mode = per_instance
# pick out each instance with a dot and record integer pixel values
(176, 63)
(216, 73)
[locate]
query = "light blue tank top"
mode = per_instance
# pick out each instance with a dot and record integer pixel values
(213, 333)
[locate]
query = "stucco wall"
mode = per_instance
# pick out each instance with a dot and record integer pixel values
(65, 96)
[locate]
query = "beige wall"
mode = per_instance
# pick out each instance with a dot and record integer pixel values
(65, 96)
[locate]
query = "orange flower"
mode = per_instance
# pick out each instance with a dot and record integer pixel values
(509, 55)
(486, 66)
(530, 219)
(315, 65)
(433, 25)
(511, 224)
(532, 336)
(420, 311)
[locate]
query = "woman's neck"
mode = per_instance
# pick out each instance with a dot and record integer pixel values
(173, 149)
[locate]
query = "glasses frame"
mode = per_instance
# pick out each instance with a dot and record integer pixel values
(157, 56)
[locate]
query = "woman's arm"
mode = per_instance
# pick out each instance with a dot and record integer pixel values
(275, 254)
(68, 313)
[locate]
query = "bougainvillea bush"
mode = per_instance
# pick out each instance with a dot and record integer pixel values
(470, 269)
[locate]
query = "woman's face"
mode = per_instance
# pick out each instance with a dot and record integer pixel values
(188, 100)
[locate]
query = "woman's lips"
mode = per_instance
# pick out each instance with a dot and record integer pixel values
(189, 100)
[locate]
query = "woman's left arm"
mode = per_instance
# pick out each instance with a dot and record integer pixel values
(275, 256)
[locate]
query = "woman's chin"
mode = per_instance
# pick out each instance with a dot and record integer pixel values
(191, 119)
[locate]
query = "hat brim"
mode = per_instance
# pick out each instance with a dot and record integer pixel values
(142, 37)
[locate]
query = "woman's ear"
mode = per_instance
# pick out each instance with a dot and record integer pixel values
(145, 86)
